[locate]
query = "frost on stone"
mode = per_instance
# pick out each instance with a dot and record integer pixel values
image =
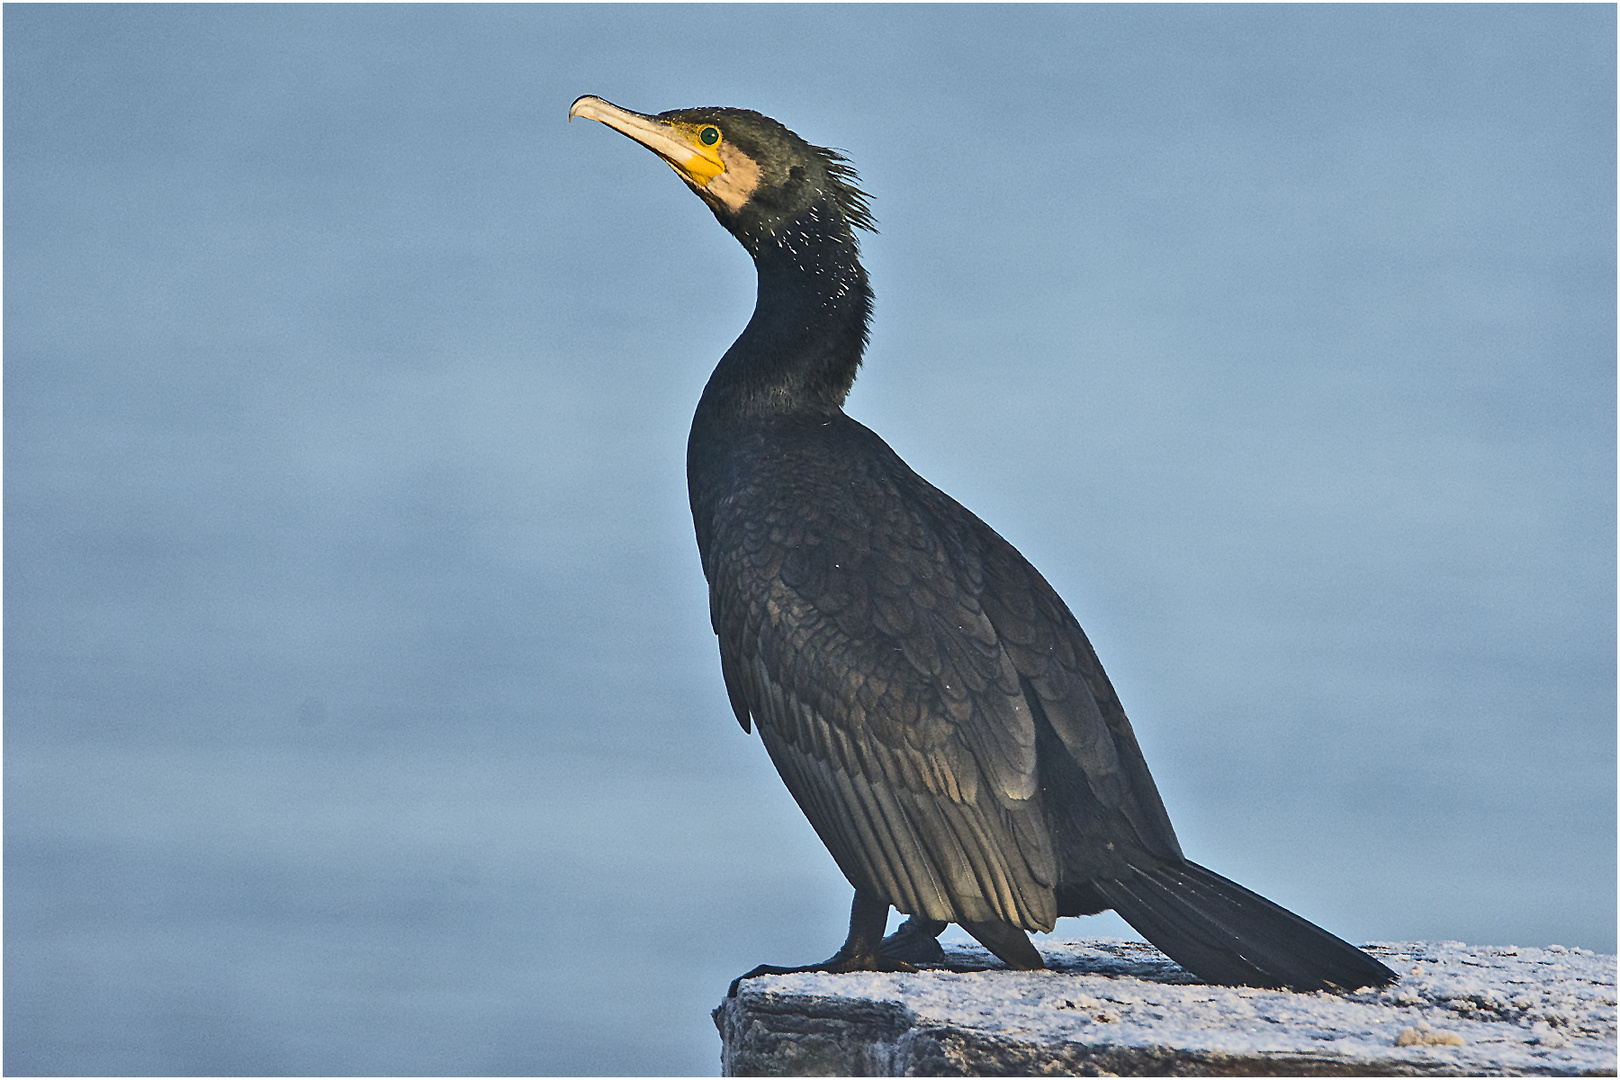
(1424, 1035)
(1120, 1007)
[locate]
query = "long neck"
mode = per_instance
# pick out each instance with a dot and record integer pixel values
(800, 351)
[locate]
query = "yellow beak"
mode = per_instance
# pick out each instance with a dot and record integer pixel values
(694, 162)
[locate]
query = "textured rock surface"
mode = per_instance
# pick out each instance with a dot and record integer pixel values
(1113, 1007)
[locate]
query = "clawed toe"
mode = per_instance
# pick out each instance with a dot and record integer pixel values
(763, 969)
(838, 965)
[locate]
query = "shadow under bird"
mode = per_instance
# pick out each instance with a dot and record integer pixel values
(926, 696)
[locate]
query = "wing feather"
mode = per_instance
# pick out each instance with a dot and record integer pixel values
(890, 829)
(900, 660)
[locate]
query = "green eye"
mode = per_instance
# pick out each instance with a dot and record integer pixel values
(709, 136)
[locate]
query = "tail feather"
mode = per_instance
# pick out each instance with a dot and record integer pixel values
(1008, 942)
(1223, 933)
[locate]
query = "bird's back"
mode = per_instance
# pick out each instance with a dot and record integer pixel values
(927, 697)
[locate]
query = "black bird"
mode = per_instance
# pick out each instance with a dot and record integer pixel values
(927, 697)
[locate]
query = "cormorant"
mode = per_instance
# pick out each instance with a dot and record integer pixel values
(926, 696)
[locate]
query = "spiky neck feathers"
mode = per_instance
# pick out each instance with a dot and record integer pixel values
(803, 345)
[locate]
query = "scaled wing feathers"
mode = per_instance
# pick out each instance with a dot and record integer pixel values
(888, 652)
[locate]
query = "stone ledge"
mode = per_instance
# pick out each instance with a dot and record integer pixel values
(1122, 1008)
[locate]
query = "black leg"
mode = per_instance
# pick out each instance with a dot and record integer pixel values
(868, 915)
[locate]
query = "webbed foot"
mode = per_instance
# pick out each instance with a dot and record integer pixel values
(868, 914)
(916, 941)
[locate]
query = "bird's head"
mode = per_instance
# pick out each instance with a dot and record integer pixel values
(755, 174)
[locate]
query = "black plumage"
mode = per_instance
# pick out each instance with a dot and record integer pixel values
(928, 699)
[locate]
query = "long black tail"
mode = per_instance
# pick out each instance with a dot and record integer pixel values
(1223, 933)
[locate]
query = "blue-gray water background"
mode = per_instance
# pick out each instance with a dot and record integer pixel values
(361, 710)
